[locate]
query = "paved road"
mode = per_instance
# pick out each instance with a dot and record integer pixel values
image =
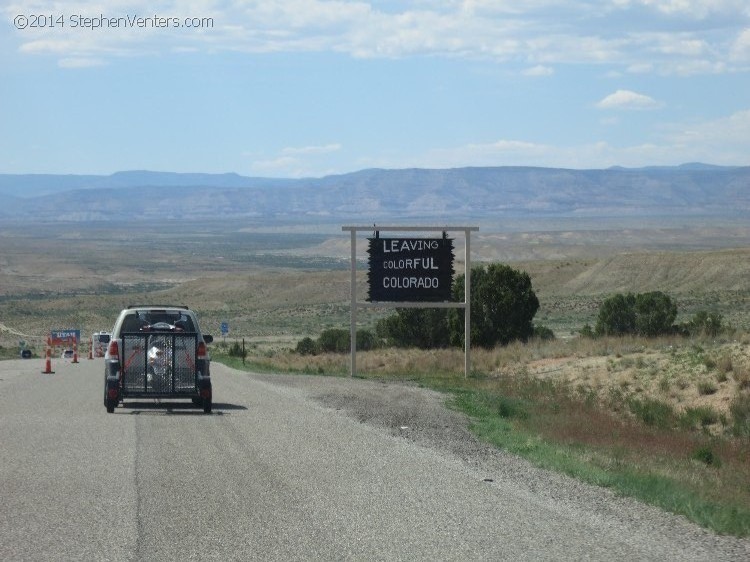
(272, 475)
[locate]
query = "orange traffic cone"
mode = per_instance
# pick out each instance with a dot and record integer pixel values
(91, 351)
(48, 363)
(75, 353)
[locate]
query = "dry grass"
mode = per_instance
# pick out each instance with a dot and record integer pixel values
(684, 373)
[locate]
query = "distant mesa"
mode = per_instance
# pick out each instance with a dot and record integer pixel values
(691, 189)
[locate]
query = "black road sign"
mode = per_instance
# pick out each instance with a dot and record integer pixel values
(410, 269)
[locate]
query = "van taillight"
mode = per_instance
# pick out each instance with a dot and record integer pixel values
(114, 350)
(201, 352)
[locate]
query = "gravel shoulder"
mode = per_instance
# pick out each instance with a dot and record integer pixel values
(421, 416)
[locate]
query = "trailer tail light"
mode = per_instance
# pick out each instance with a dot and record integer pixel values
(202, 351)
(114, 350)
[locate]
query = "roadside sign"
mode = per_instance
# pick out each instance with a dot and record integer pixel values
(410, 269)
(64, 337)
(224, 328)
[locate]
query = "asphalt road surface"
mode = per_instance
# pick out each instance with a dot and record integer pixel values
(292, 468)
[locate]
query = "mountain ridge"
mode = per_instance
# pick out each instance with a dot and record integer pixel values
(687, 190)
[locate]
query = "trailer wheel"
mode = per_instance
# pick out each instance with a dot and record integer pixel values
(206, 405)
(111, 405)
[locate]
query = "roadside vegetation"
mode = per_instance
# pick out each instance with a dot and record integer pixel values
(649, 408)
(665, 420)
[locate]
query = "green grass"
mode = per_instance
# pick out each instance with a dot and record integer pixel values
(253, 365)
(661, 482)
(652, 412)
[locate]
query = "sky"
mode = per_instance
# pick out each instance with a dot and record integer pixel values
(309, 88)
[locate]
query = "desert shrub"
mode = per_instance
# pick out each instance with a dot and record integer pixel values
(705, 323)
(740, 410)
(616, 316)
(652, 412)
(543, 333)
(425, 328)
(654, 314)
(645, 314)
(742, 376)
(724, 364)
(237, 349)
(664, 384)
(337, 340)
(706, 388)
(700, 416)
(334, 340)
(512, 408)
(706, 455)
(366, 340)
(307, 346)
(503, 305)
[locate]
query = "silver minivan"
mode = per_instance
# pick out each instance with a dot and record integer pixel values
(159, 352)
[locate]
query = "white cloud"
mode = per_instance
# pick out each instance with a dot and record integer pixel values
(535, 33)
(741, 47)
(724, 141)
(539, 70)
(58, 46)
(511, 152)
(626, 99)
(694, 9)
(275, 164)
(726, 138)
(80, 62)
(323, 149)
(295, 161)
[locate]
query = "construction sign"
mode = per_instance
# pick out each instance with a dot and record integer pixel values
(64, 337)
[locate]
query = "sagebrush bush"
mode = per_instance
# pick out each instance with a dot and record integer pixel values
(742, 376)
(706, 388)
(706, 455)
(237, 350)
(740, 410)
(701, 416)
(652, 412)
(724, 364)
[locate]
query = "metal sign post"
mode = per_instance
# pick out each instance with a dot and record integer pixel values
(416, 284)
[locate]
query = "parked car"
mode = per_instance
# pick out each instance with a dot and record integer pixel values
(157, 351)
(67, 354)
